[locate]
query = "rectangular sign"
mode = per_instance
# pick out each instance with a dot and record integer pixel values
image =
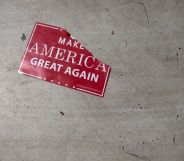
(53, 55)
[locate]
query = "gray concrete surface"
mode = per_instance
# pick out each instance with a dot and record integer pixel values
(141, 116)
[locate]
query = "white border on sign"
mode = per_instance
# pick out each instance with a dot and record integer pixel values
(30, 75)
(25, 53)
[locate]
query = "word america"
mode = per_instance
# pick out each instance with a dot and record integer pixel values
(67, 56)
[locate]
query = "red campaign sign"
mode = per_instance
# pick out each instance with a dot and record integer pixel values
(53, 55)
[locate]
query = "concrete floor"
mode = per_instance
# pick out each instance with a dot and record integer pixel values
(141, 116)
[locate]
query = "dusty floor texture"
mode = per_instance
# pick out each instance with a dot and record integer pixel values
(141, 116)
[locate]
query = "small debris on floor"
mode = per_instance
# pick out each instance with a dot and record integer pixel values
(23, 37)
(62, 113)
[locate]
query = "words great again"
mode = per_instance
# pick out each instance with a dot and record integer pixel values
(72, 72)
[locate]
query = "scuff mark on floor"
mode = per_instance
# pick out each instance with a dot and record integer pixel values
(145, 11)
(177, 116)
(177, 59)
(138, 156)
(126, 43)
(174, 139)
